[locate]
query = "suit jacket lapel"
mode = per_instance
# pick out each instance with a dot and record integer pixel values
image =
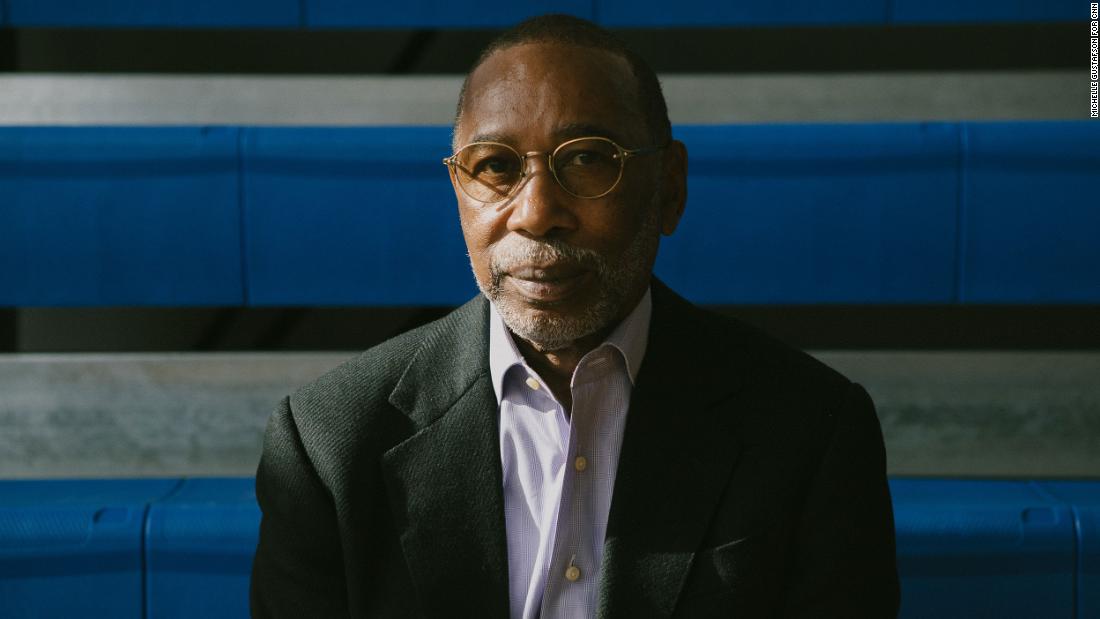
(676, 457)
(445, 481)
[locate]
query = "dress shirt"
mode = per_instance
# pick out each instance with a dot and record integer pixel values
(559, 470)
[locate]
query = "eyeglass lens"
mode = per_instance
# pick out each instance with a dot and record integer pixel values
(585, 168)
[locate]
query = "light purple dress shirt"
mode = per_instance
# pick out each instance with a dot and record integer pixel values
(559, 472)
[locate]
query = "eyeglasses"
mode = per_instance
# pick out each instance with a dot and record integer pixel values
(584, 167)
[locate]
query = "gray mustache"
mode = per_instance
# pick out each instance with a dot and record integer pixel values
(515, 251)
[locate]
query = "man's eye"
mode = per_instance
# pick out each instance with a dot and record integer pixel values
(493, 166)
(583, 158)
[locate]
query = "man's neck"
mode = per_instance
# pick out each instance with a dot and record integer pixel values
(556, 367)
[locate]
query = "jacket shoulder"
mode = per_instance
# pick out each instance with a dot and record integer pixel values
(346, 411)
(772, 357)
(747, 350)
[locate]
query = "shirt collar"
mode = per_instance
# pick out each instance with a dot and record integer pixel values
(630, 338)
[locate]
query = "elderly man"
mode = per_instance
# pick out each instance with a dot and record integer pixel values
(579, 441)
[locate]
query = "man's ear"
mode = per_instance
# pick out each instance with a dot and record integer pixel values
(673, 186)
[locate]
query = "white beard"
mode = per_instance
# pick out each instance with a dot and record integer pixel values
(615, 280)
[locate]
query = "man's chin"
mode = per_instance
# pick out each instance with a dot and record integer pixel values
(547, 327)
(546, 303)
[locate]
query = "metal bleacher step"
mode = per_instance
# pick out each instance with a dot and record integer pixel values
(132, 99)
(999, 414)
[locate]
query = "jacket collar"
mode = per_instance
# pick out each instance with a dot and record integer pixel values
(444, 483)
(453, 356)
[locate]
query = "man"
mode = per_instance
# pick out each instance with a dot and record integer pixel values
(578, 441)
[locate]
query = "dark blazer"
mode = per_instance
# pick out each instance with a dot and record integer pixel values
(751, 483)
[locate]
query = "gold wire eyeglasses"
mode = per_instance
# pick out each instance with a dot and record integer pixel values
(588, 167)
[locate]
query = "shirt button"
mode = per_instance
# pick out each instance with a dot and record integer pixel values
(580, 463)
(572, 573)
(532, 383)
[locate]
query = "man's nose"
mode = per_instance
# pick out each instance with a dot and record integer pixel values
(540, 207)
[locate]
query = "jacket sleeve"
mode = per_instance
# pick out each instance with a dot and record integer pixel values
(298, 567)
(845, 563)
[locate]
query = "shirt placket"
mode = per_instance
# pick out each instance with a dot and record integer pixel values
(573, 570)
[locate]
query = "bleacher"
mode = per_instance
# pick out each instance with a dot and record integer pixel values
(906, 213)
(183, 548)
(608, 13)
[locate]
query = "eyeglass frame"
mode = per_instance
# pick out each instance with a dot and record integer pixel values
(622, 154)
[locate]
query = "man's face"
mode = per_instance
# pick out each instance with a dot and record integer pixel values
(558, 267)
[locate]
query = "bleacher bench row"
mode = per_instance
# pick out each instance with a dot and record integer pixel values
(183, 548)
(434, 14)
(905, 213)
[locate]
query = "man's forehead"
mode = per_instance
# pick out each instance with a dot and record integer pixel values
(516, 59)
(562, 132)
(569, 90)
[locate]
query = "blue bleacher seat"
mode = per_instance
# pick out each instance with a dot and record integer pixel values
(986, 11)
(158, 14)
(701, 13)
(981, 548)
(816, 214)
(72, 548)
(1029, 212)
(898, 213)
(611, 13)
(966, 548)
(352, 217)
(199, 547)
(433, 13)
(1084, 496)
(119, 216)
